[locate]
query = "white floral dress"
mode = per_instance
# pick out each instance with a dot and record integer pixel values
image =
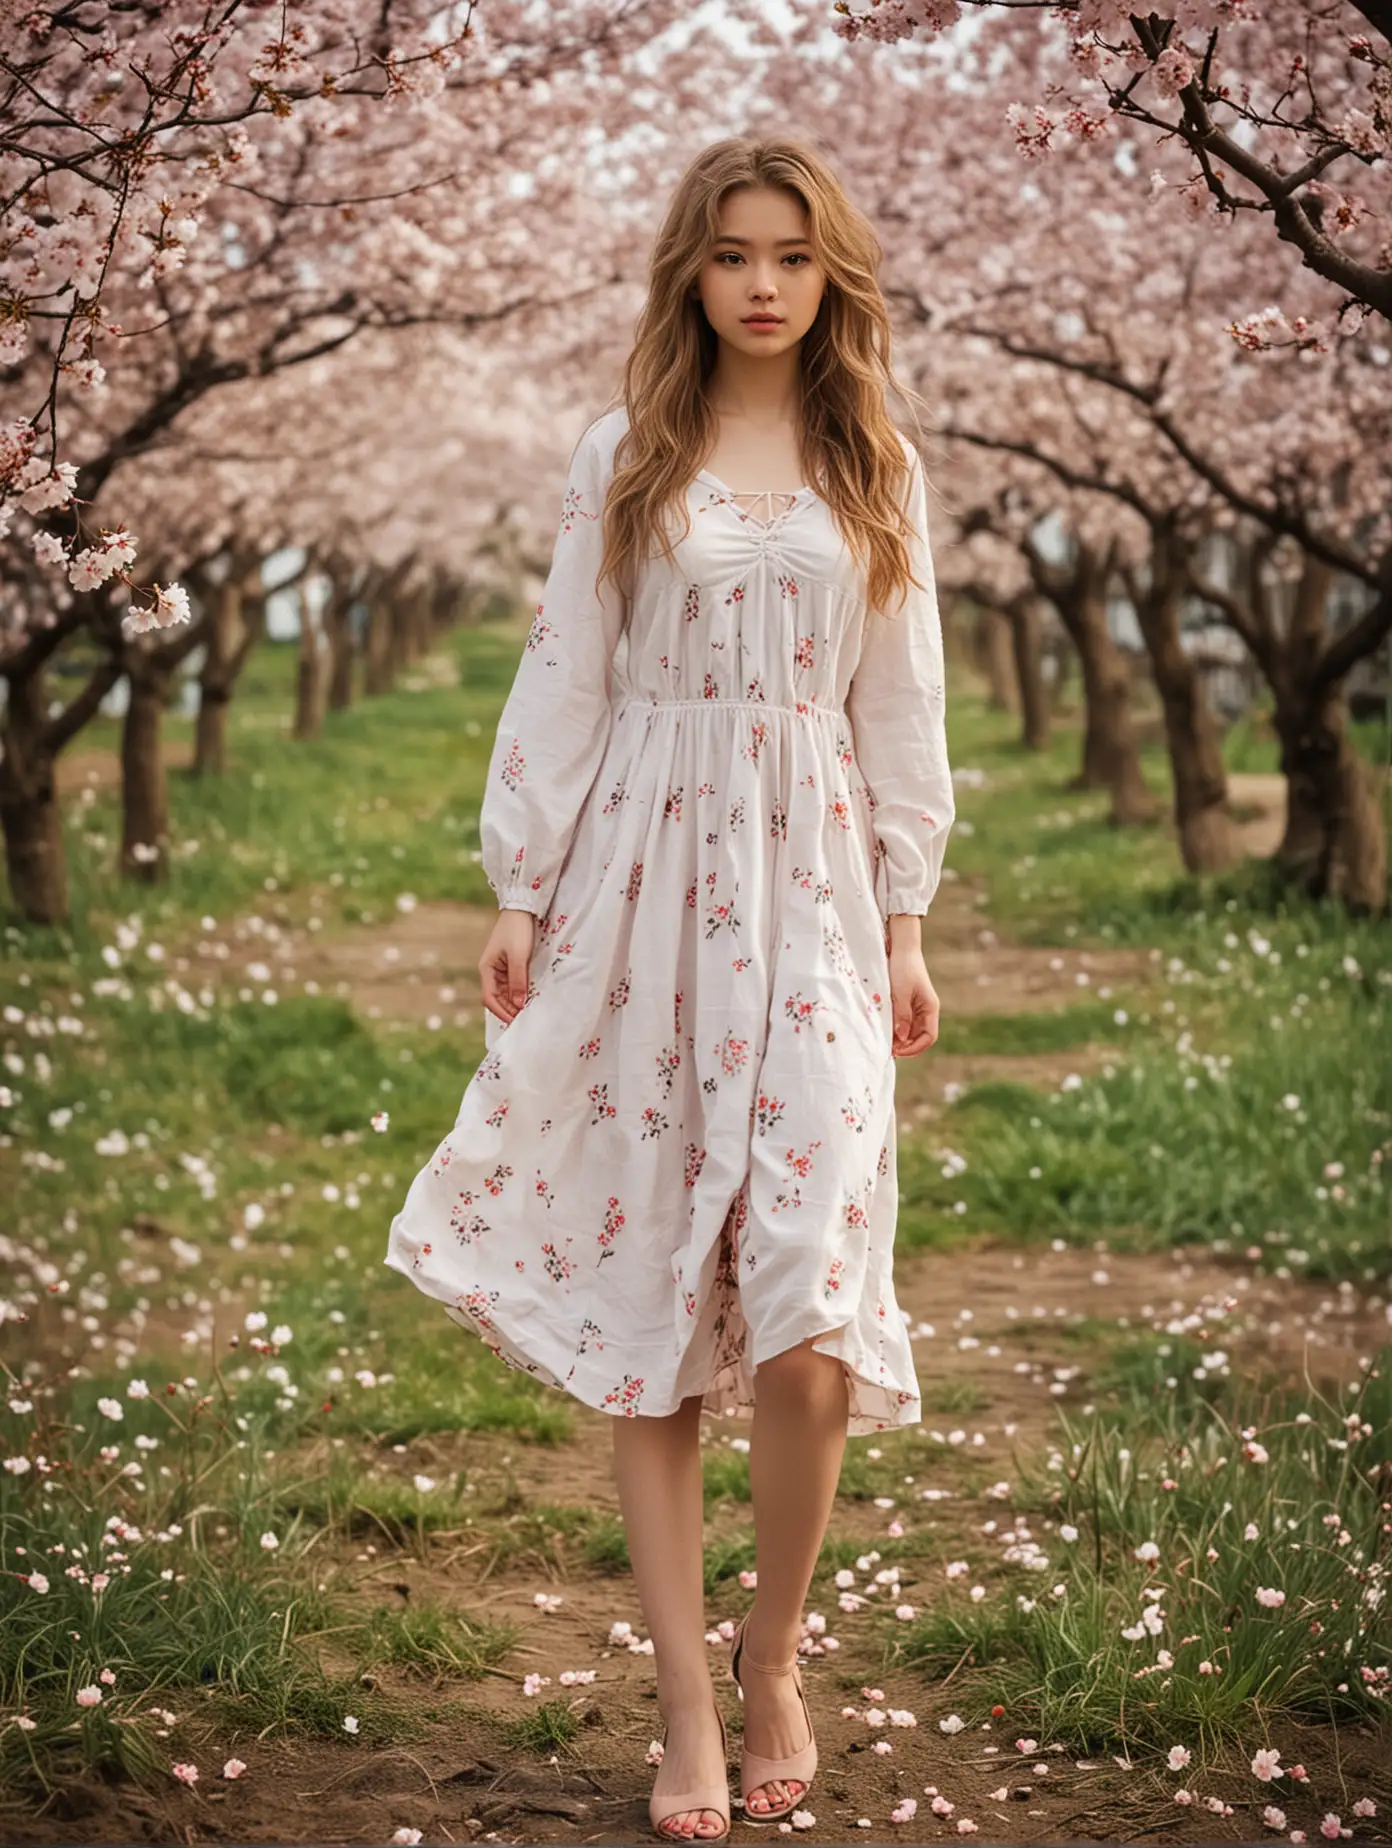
(678, 1159)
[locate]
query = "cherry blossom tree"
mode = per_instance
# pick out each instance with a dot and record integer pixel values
(1059, 317)
(1283, 106)
(358, 178)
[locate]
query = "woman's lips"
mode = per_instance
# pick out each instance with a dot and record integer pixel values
(764, 320)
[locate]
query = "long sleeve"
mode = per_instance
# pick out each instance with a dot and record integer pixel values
(897, 704)
(555, 722)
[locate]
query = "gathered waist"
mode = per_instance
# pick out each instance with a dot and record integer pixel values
(801, 709)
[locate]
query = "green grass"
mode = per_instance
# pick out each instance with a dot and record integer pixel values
(181, 1159)
(1186, 1506)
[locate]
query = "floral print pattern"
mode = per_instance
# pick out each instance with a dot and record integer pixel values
(678, 1159)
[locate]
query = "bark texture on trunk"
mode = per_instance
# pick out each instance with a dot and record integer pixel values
(1207, 839)
(144, 788)
(1335, 845)
(1111, 756)
(236, 622)
(33, 734)
(339, 634)
(34, 857)
(1026, 641)
(997, 663)
(309, 681)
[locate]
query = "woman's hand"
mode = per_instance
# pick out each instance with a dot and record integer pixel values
(503, 965)
(913, 1001)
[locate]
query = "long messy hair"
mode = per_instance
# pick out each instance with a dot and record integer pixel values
(850, 449)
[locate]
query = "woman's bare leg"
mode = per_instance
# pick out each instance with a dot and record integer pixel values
(796, 1446)
(657, 1468)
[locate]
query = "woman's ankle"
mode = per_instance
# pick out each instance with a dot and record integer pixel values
(684, 1688)
(772, 1647)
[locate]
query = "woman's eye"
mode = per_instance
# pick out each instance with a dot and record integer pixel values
(794, 256)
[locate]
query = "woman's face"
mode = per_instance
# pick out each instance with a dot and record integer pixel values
(761, 265)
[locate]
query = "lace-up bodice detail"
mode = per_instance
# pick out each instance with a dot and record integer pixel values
(763, 507)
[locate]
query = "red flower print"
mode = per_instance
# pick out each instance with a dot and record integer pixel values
(513, 770)
(768, 1112)
(758, 738)
(559, 1268)
(733, 1053)
(466, 1225)
(721, 915)
(476, 1304)
(801, 1013)
(801, 1165)
(613, 1225)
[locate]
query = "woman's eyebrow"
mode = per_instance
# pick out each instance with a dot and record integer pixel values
(749, 240)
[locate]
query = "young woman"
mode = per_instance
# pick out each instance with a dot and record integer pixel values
(715, 816)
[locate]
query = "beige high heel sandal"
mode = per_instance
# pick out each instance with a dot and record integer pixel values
(755, 1770)
(713, 1797)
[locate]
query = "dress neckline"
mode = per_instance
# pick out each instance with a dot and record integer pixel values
(797, 497)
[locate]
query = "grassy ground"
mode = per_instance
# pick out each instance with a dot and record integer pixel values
(309, 1501)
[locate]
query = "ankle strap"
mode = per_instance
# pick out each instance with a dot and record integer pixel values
(765, 1668)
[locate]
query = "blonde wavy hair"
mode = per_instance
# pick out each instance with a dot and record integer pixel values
(850, 448)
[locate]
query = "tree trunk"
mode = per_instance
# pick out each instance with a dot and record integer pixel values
(309, 687)
(398, 639)
(236, 621)
(994, 649)
(339, 632)
(1111, 758)
(29, 812)
(1207, 841)
(1335, 845)
(444, 608)
(379, 671)
(1027, 648)
(144, 789)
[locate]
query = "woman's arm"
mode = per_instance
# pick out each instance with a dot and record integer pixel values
(897, 704)
(555, 723)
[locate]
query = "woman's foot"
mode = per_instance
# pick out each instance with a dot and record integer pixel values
(774, 1725)
(693, 1758)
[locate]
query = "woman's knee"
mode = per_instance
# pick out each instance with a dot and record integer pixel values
(803, 1361)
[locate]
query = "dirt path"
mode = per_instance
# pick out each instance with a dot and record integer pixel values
(1006, 1330)
(1002, 1337)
